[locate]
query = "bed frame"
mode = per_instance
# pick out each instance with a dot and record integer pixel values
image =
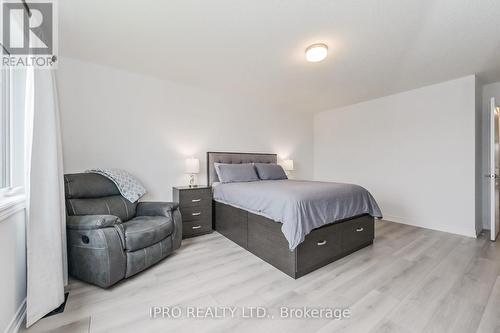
(263, 237)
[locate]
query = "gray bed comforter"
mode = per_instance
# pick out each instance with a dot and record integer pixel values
(299, 205)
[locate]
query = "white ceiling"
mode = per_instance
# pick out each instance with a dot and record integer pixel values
(255, 48)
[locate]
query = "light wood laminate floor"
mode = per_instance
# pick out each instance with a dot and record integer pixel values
(410, 280)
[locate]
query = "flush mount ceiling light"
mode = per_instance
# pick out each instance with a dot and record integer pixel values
(316, 52)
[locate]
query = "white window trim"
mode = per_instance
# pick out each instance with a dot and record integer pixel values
(11, 204)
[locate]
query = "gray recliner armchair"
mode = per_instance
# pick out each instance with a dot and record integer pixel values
(110, 238)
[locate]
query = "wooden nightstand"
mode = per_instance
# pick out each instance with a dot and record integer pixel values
(196, 209)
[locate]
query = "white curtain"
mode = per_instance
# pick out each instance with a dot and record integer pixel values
(45, 230)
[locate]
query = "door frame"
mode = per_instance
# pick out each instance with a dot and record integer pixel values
(494, 170)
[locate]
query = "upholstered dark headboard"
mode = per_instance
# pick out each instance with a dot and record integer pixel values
(223, 157)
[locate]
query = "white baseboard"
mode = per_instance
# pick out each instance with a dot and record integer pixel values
(18, 319)
(397, 219)
(406, 221)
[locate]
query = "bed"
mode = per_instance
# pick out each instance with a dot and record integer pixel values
(288, 223)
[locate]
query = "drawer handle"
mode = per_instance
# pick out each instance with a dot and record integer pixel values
(359, 229)
(196, 227)
(196, 200)
(322, 243)
(196, 214)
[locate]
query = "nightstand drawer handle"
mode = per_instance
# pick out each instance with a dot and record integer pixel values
(196, 214)
(359, 229)
(196, 200)
(322, 243)
(196, 227)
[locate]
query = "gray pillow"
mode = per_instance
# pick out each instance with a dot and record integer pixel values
(231, 173)
(269, 171)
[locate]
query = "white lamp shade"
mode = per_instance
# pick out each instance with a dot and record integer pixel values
(192, 165)
(288, 165)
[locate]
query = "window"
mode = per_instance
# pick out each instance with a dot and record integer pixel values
(5, 122)
(12, 101)
(12, 110)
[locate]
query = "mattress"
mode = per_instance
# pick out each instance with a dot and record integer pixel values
(299, 205)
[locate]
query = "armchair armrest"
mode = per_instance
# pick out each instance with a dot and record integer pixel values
(166, 209)
(88, 222)
(146, 208)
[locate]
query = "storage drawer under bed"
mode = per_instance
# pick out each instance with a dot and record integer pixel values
(356, 233)
(263, 237)
(319, 248)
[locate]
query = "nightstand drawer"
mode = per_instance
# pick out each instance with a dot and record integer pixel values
(191, 198)
(196, 213)
(195, 228)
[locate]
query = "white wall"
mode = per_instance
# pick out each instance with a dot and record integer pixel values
(114, 118)
(415, 151)
(488, 91)
(13, 261)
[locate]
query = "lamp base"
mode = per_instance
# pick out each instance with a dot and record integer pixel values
(192, 181)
